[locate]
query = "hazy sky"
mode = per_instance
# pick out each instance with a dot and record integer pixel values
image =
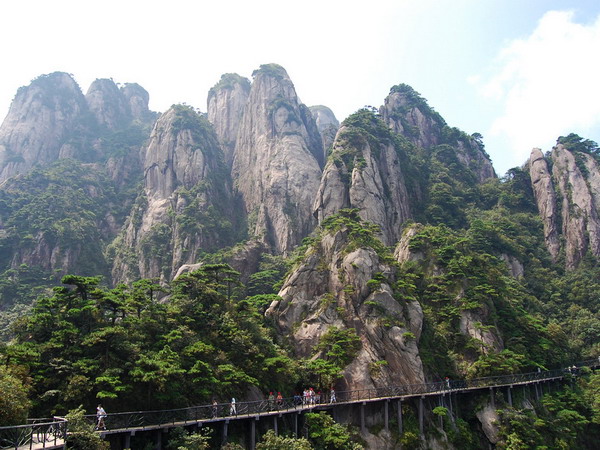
(520, 72)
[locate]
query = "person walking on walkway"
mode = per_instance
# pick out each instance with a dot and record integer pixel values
(332, 398)
(100, 416)
(232, 410)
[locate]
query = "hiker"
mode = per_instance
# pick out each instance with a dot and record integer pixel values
(100, 416)
(215, 408)
(232, 410)
(332, 396)
(271, 400)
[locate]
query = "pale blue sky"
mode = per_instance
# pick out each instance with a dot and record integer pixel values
(519, 72)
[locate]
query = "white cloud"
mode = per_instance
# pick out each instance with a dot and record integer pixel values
(548, 84)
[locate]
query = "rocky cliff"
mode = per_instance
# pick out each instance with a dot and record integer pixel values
(340, 285)
(543, 190)
(408, 114)
(275, 167)
(186, 205)
(569, 199)
(226, 103)
(364, 172)
(327, 124)
(42, 117)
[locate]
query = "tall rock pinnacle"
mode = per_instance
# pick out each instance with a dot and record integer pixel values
(275, 167)
(186, 199)
(545, 197)
(364, 172)
(226, 102)
(42, 117)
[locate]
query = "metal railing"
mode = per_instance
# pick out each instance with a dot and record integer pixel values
(46, 433)
(38, 433)
(194, 414)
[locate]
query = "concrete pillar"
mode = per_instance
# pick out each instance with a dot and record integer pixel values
(127, 443)
(275, 425)
(509, 394)
(225, 427)
(253, 433)
(296, 425)
(386, 419)
(158, 440)
(400, 417)
(421, 412)
(362, 418)
(492, 399)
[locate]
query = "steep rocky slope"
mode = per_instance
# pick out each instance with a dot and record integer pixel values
(408, 114)
(275, 167)
(543, 188)
(42, 117)
(365, 172)
(569, 196)
(186, 206)
(226, 103)
(327, 124)
(345, 282)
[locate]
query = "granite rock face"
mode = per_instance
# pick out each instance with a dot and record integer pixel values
(226, 103)
(568, 201)
(108, 104)
(580, 202)
(42, 118)
(545, 196)
(187, 195)
(329, 289)
(275, 170)
(368, 176)
(327, 124)
(478, 323)
(409, 115)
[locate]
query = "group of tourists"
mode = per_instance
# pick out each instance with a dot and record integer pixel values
(310, 397)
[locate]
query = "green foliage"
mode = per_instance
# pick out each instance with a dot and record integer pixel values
(360, 234)
(179, 439)
(272, 70)
(14, 404)
(414, 100)
(564, 419)
(460, 276)
(325, 433)
(576, 143)
(271, 441)
(64, 206)
(229, 81)
(81, 435)
(339, 346)
(87, 342)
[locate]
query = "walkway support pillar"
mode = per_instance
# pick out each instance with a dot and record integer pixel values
(400, 417)
(296, 425)
(509, 394)
(386, 418)
(421, 412)
(362, 417)
(275, 425)
(492, 399)
(127, 443)
(253, 433)
(158, 439)
(225, 427)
